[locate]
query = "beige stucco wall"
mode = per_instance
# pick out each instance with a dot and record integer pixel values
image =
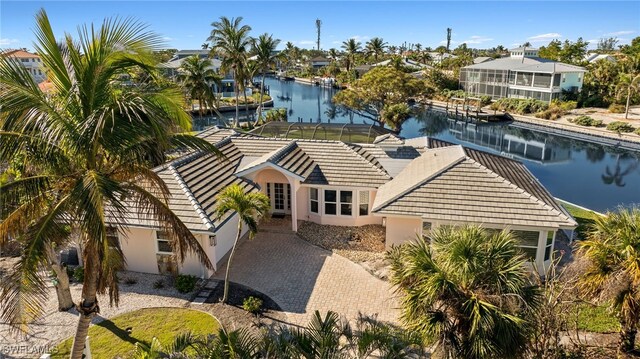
(402, 229)
(139, 248)
(269, 175)
(335, 220)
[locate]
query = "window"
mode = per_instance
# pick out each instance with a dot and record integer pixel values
(213, 241)
(528, 243)
(330, 199)
(426, 228)
(346, 203)
(364, 203)
(549, 247)
(313, 199)
(112, 237)
(162, 238)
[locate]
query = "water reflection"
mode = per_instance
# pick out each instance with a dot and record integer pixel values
(617, 174)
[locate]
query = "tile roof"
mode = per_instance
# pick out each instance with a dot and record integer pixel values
(290, 158)
(533, 64)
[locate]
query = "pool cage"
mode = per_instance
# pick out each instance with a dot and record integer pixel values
(346, 132)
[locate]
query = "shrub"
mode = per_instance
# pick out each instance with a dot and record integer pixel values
(616, 108)
(78, 274)
(279, 114)
(186, 283)
(130, 281)
(586, 121)
(519, 106)
(565, 105)
(620, 127)
(552, 113)
(485, 100)
(637, 131)
(158, 284)
(252, 305)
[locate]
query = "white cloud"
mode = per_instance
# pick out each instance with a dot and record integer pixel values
(619, 33)
(360, 38)
(7, 42)
(544, 37)
(167, 38)
(477, 40)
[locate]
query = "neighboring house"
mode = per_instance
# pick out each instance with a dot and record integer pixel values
(405, 62)
(595, 57)
(522, 75)
(362, 69)
(481, 59)
(319, 61)
(437, 57)
(30, 61)
(409, 186)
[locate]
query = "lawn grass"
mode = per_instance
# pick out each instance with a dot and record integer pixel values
(596, 319)
(585, 218)
(110, 339)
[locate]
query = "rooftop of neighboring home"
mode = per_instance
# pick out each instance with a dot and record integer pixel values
(416, 177)
(406, 62)
(20, 54)
(593, 57)
(525, 59)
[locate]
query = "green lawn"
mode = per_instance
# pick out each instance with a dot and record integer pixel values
(596, 319)
(583, 217)
(110, 339)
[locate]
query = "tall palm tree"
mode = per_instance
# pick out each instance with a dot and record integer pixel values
(627, 86)
(467, 291)
(375, 47)
(249, 207)
(612, 250)
(92, 139)
(231, 40)
(351, 47)
(197, 76)
(264, 47)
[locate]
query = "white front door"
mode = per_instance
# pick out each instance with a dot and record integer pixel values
(280, 196)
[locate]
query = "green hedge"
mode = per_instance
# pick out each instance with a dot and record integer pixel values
(620, 127)
(585, 120)
(519, 106)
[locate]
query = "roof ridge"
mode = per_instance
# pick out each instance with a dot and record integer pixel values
(533, 198)
(194, 202)
(345, 145)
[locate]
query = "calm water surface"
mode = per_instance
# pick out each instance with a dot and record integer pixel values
(588, 174)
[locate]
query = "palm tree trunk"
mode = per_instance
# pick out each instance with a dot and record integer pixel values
(235, 89)
(626, 112)
(200, 109)
(225, 296)
(88, 307)
(65, 301)
(627, 339)
(260, 104)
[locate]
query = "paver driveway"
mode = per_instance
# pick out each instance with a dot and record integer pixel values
(303, 278)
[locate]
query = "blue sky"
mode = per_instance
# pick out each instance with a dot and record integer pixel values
(480, 24)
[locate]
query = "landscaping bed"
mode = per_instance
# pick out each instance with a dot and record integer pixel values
(359, 244)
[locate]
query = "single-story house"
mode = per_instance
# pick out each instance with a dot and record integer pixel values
(409, 186)
(319, 61)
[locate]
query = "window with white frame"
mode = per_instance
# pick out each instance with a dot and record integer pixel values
(162, 240)
(549, 246)
(346, 203)
(330, 201)
(528, 242)
(112, 237)
(364, 203)
(426, 228)
(314, 201)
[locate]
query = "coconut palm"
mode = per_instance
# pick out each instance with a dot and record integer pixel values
(231, 40)
(249, 207)
(351, 47)
(612, 250)
(375, 47)
(467, 291)
(628, 85)
(92, 139)
(264, 47)
(197, 76)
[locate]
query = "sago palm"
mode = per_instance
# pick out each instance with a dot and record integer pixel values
(467, 291)
(612, 250)
(249, 207)
(91, 140)
(264, 48)
(231, 40)
(197, 76)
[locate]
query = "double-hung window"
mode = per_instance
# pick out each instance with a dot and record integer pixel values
(314, 200)
(162, 239)
(549, 246)
(364, 203)
(346, 203)
(528, 242)
(330, 201)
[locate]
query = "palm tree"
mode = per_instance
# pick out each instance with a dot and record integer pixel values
(351, 47)
(627, 86)
(197, 76)
(375, 47)
(264, 47)
(466, 290)
(90, 175)
(231, 40)
(249, 207)
(612, 250)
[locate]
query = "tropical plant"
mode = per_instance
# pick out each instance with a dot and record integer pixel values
(230, 40)
(264, 47)
(612, 251)
(351, 47)
(249, 207)
(467, 291)
(197, 76)
(628, 85)
(620, 127)
(375, 47)
(92, 139)
(155, 350)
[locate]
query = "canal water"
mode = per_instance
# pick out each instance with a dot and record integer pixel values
(588, 174)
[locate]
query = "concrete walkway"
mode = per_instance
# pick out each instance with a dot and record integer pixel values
(303, 278)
